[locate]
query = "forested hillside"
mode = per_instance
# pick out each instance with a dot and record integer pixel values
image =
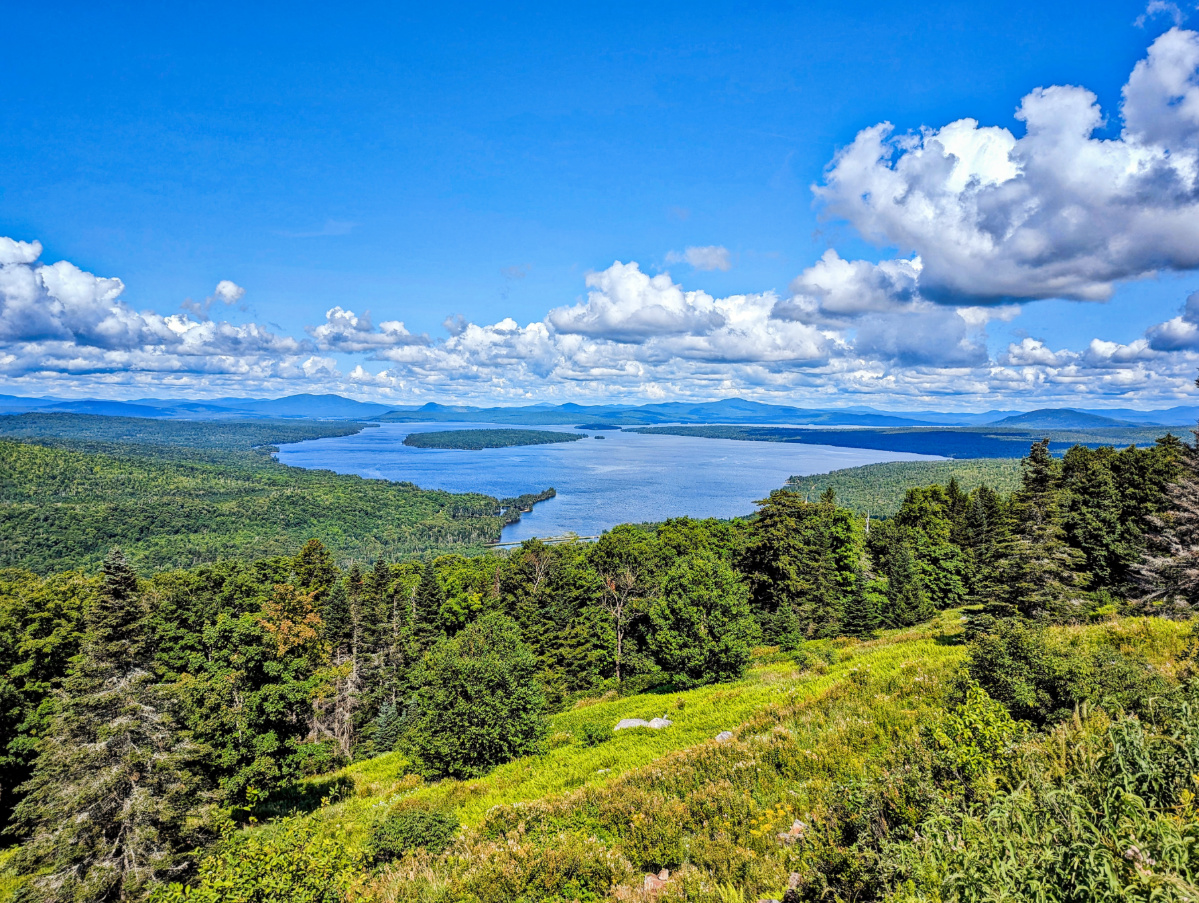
(477, 439)
(955, 442)
(887, 688)
(177, 494)
(879, 489)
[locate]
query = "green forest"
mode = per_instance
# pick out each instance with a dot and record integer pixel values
(992, 694)
(176, 494)
(955, 442)
(879, 489)
(478, 439)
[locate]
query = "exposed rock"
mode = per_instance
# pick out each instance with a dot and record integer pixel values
(724, 736)
(656, 724)
(797, 831)
(654, 883)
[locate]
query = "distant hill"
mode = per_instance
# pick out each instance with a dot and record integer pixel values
(1059, 419)
(729, 410)
(737, 411)
(103, 408)
(312, 407)
(1177, 416)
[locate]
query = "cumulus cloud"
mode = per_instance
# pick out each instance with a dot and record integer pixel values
(1179, 333)
(837, 287)
(982, 220)
(1056, 213)
(707, 258)
(227, 293)
(627, 305)
(59, 318)
(343, 330)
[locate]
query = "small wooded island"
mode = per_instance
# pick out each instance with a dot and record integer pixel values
(479, 439)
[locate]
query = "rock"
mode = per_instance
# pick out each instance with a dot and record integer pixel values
(631, 723)
(724, 736)
(797, 831)
(654, 883)
(656, 724)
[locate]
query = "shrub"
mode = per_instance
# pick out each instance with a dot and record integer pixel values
(972, 740)
(593, 733)
(479, 703)
(1041, 677)
(290, 862)
(701, 625)
(411, 829)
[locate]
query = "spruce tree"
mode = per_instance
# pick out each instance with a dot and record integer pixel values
(427, 604)
(909, 603)
(314, 568)
(861, 612)
(1038, 575)
(105, 813)
(338, 620)
(1168, 573)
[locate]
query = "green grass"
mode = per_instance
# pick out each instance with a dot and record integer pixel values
(774, 684)
(10, 883)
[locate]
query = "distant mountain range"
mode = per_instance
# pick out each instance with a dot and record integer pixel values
(727, 411)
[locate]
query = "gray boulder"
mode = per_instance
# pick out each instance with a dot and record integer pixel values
(656, 724)
(724, 736)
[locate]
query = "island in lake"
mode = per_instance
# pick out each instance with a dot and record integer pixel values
(479, 439)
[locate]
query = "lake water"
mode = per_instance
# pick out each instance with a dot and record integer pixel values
(622, 478)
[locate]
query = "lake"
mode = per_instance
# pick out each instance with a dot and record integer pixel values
(622, 478)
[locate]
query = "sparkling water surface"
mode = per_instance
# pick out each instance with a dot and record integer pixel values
(622, 478)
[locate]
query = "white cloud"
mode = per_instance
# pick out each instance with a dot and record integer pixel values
(625, 304)
(1054, 213)
(343, 330)
(228, 292)
(707, 258)
(1159, 8)
(836, 287)
(59, 318)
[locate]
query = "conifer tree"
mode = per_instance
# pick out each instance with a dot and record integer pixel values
(387, 727)
(426, 614)
(338, 620)
(909, 603)
(315, 570)
(1039, 571)
(354, 593)
(105, 812)
(1168, 573)
(861, 612)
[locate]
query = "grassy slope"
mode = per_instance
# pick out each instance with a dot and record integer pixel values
(879, 489)
(698, 715)
(648, 797)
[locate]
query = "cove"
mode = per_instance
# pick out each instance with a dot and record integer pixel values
(622, 478)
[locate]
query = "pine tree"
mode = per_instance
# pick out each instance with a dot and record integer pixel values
(861, 612)
(426, 615)
(909, 603)
(314, 567)
(387, 727)
(1039, 571)
(105, 813)
(338, 620)
(1168, 573)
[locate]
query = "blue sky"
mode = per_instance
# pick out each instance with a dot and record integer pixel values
(423, 163)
